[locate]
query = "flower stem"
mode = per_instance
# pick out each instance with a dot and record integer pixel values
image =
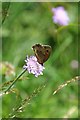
(15, 80)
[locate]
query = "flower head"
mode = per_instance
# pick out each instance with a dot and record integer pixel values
(32, 66)
(60, 16)
(7, 68)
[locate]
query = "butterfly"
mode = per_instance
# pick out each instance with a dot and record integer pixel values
(42, 52)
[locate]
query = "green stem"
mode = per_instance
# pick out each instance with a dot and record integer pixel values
(15, 80)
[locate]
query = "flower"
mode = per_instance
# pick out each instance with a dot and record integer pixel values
(74, 64)
(32, 66)
(60, 16)
(7, 69)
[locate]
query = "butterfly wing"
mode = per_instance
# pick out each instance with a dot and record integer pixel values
(42, 52)
(47, 51)
(39, 52)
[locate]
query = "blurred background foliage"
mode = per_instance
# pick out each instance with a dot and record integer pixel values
(25, 24)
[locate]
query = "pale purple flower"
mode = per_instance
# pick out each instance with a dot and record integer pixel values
(32, 66)
(60, 16)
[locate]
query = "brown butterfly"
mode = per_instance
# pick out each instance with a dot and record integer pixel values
(42, 52)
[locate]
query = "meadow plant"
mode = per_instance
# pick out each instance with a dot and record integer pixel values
(58, 69)
(60, 16)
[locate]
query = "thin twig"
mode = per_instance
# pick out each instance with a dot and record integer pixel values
(9, 83)
(66, 83)
(6, 11)
(7, 91)
(5, 84)
(15, 80)
(26, 100)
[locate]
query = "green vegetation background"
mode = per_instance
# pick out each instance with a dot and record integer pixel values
(25, 25)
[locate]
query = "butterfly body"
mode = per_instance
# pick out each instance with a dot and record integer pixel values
(42, 52)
